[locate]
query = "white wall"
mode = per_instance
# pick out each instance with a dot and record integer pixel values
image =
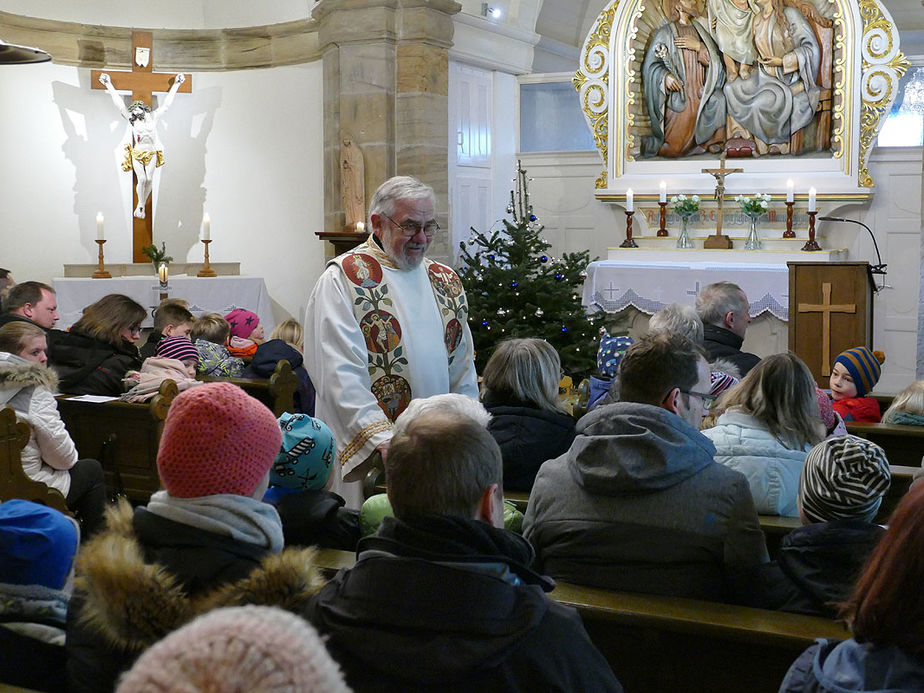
(244, 146)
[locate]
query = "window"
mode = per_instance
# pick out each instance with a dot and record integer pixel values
(904, 125)
(551, 119)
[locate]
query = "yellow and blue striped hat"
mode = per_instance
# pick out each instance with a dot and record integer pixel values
(863, 366)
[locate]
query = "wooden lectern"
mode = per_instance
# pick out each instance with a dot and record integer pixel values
(830, 310)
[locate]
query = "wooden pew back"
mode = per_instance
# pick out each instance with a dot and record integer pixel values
(277, 392)
(14, 483)
(903, 445)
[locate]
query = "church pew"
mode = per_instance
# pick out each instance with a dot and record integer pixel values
(14, 483)
(903, 445)
(123, 436)
(656, 643)
(277, 392)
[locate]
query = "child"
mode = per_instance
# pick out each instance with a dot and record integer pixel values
(264, 361)
(210, 334)
(310, 514)
(246, 332)
(856, 372)
(175, 359)
(291, 333)
(609, 356)
(908, 406)
(171, 319)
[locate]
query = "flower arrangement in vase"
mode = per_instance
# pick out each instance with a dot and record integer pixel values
(754, 207)
(685, 207)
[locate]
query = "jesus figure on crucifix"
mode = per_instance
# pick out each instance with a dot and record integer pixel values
(145, 153)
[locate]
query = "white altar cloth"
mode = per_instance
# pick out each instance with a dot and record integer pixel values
(205, 295)
(649, 286)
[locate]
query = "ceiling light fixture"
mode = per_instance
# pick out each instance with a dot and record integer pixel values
(21, 55)
(493, 12)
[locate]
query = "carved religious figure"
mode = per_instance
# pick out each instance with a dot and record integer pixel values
(145, 153)
(683, 74)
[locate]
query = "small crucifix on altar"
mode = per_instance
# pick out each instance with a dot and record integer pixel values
(145, 154)
(718, 240)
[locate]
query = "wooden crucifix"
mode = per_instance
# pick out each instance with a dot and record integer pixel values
(143, 82)
(826, 308)
(717, 240)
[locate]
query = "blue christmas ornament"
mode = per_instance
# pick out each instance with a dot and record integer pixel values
(564, 329)
(514, 284)
(484, 323)
(491, 257)
(532, 217)
(559, 276)
(544, 258)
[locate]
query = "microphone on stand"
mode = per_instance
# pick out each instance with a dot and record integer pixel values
(873, 269)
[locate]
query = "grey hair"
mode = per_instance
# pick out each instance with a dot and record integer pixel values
(453, 404)
(399, 188)
(678, 319)
(715, 301)
(526, 370)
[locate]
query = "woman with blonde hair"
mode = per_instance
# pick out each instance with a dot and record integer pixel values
(766, 426)
(93, 357)
(27, 385)
(907, 409)
(529, 422)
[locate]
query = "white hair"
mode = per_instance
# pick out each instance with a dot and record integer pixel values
(451, 403)
(678, 319)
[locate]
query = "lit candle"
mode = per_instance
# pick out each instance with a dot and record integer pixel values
(789, 195)
(662, 196)
(360, 227)
(162, 273)
(630, 200)
(812, 207)
(206, 227)
(100, 236)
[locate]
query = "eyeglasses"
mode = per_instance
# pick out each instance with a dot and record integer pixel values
(412, 228)
(708, 399)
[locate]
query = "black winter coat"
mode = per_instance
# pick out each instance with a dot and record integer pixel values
(264, 363)
(720, 343)
(88, 366)
(527, 437)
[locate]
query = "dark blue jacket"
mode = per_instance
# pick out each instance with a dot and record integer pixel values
(830, 666)
(264, 363)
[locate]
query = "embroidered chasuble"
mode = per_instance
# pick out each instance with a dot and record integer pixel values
(382, 336)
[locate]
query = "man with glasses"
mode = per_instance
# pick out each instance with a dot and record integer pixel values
(638, 502)
(384, 324)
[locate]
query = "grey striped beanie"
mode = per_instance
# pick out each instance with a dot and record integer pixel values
(844, 478)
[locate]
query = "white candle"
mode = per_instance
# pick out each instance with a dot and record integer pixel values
(630, 200)
(206, 227)
(662, 196)
(789, 190)
(360, 227)
(100, 236)
(812, 207)
(162, 273)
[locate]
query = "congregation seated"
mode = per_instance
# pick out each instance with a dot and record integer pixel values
(171, 319)
(442, 598)
(285, 342)
(99, 349)
(32, 302)
(175, 358)
(528, 420)
(310, 514)
(724, 309)
(50, 456)
(210, 334)
(638, 503)
(37, 549)
(907, 409)
(205, 541)
(884, 613)
(767, 423)
(840, 492)
(258, 649)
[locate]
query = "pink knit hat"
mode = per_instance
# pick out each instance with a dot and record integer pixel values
(260, 649)
(216, 439)
(242, 322)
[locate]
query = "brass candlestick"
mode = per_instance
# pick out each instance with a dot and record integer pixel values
(101, 272)
(662, 229)
(629, 243)
(206, 270)
(789, 233)
(810, 244)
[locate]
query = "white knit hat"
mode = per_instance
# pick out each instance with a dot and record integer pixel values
(258, 649)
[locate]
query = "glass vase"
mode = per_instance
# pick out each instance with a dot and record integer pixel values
(683, 240)
(753, 240)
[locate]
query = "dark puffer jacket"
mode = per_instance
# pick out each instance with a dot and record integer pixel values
(720, 343)
(88, 366)
(264, 363)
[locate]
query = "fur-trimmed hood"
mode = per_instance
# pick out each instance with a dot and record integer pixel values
(17, 373)
(134, 604)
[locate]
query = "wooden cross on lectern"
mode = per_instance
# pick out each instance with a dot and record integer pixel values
(143, 82)
(717, 240)
(826, 308)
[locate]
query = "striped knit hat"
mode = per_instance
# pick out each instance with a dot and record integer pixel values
(720, 382)
(863, 366)
(179, 348)
(844, 478)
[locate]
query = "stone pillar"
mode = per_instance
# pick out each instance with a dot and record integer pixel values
(386, 87)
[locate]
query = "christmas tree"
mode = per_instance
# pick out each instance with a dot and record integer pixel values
(516, 289)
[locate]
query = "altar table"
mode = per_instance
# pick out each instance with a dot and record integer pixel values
(204, 294)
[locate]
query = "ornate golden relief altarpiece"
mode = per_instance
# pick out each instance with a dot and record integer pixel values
(786, 89)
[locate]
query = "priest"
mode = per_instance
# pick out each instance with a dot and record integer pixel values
(385, 325)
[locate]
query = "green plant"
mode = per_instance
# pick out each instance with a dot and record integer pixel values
(157, 256)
